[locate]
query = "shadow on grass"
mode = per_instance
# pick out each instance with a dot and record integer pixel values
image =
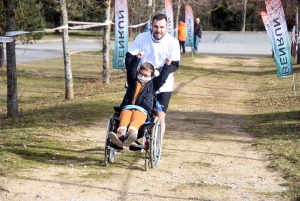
(195, 126)
(54, 155)
(30, 137)
(64, 115)
(65, 156)
(279, 125)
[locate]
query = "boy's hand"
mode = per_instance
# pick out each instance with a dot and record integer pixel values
(156, 73)
(168, 61)
(140, 54)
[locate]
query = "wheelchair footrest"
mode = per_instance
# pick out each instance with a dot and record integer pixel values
(136, 147)
(116, 147)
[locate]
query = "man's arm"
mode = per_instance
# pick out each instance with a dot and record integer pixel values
(163, 75)
(200, 30)
(174, 56)
(174, 66)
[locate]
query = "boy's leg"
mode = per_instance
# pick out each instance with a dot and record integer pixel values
(125, 117)
(137, 119)
(118, 137)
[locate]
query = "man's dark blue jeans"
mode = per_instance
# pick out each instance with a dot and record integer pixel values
(196, 43)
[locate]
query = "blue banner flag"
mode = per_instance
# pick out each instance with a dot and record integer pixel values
(280, 38)
(189, 21)
(121, 34)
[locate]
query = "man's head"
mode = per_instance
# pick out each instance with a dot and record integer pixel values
(197, 20)
(159, 26)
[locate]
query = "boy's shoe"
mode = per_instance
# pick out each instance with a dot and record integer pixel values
(130, 139)
(115, 139)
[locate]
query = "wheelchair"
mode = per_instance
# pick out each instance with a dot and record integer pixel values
(149, 140)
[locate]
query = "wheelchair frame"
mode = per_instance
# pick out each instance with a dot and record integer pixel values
(151, 144)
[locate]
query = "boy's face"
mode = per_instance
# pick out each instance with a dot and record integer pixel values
(145, 73)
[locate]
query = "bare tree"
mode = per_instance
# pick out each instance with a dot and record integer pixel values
(244, 16)
(69, 93)
(12, 84)
(153, 6)
(2, 58)
(106, 44)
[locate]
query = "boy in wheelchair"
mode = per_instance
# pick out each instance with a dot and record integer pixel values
(137, 104)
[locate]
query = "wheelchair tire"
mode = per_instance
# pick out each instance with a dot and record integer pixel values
(147, 161)
(155, 143)
(107, 150)
(112, 155)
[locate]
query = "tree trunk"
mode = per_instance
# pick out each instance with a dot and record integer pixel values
(2, 58)
(177, 17)
(153, 7)
(150, 11)
(69, 93)
(12, 84)
(244, 16)
(106, 45)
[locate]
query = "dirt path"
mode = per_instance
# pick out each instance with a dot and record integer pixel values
(206, 156)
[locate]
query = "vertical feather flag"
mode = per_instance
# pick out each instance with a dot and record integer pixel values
(267, 23)
(121, 34)
(280, 37)
(169, 13)
(189, 21)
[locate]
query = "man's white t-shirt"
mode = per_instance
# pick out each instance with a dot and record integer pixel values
(156, 53)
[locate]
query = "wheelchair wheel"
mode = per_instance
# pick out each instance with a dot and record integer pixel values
(147, 161)
(112, 155)
(108, 151)
(155, 143)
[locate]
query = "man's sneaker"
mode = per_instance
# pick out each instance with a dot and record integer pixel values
(115, 139)
(130, 139)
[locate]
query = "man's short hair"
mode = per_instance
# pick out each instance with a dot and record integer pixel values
(198, 19)
(159, 17)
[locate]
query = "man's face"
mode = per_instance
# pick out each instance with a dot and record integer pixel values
(159, 29)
